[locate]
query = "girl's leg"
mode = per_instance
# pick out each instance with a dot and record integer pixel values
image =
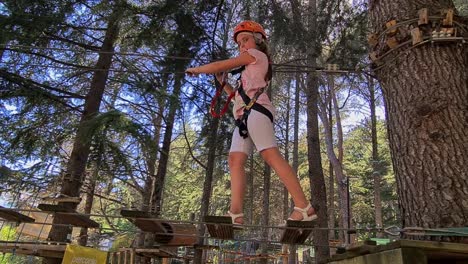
(236, 163)
(287, 175)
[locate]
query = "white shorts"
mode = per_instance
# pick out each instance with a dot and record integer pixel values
(261, 134)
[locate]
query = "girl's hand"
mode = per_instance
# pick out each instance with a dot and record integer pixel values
(192, 71)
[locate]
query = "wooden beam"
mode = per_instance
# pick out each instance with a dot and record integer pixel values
(69, 216)
(11, 215)
(423, 16)
(55, 208)
(33, 249)
(145, 221)
(77, 220)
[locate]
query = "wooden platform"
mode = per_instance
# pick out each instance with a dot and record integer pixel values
(145, 221)
(55, 208)
(69, 216)
(298, 233)
(61, 199)
(11, 215)
(219, 226)
(33, 249)
(405, 252)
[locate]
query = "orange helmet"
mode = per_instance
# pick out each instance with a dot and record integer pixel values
(250, 26)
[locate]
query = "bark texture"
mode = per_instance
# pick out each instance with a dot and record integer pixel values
(426, 96)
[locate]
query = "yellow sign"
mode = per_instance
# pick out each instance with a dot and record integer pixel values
(75, 254)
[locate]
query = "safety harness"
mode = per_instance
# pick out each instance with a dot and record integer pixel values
(250, 103)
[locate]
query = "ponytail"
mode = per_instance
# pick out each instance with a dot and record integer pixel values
(263, 47)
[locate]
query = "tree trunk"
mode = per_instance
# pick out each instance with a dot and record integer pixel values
(249, 216)
(88, 206)
(376, 164)
(207, 185)
(425, 90)
(265, 221)
(73, 178)
(331, 184)
(295, 161)
(156, 197)
(317, 181)
(336, 161)
(146, 239)
(286, 150)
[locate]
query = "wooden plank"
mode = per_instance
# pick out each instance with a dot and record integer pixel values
(219, 226)
(11, 215)
(76, 220)
(55, 208)
(33, 249)
(136, 214)
(68, 215)
(296, 234)
(61, 199)
(37, 253)
(433, 245)
(145, 221)
(154, 252)
(423, 14)
(406, 252)
(393, 256)
(359, 244)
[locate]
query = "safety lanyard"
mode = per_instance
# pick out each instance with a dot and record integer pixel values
(218, 94)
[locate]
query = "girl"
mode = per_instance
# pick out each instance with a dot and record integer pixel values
(252, 41)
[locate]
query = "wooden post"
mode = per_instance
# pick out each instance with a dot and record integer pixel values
(423, 16)
(416, 36)
(132, 256)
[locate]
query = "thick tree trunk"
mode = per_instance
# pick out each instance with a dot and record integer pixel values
(426, 96)
(73, 178)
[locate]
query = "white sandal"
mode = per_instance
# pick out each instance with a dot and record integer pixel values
(234, 217)
(305, 216)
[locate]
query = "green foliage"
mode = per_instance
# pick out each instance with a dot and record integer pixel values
(462, 7)
(358, 163)
(8, 233)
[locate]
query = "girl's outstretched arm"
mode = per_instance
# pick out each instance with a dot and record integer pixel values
(221, 66)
